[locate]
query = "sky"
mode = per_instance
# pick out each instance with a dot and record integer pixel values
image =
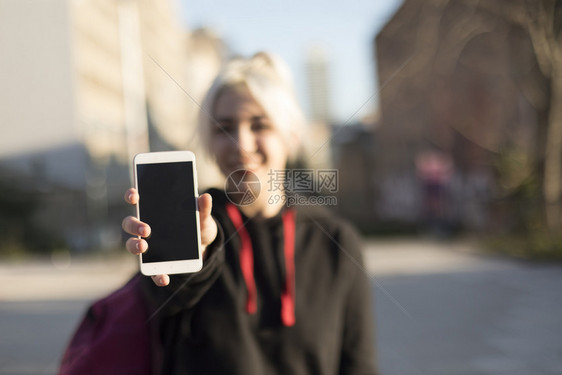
(345, 30)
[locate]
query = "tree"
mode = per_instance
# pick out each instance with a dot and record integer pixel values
(20, 201)
(542, 20)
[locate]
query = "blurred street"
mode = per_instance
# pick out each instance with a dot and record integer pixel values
(440, 308)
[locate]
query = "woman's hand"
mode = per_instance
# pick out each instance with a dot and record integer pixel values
(136, 228)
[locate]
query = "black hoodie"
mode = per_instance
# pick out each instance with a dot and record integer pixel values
(204, 322)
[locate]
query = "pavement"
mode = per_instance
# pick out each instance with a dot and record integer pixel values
(427, 255)
(62, 277)
(441, 308)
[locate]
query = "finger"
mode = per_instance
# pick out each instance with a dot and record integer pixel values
(136, 246)
(161, 280)
(132, 196)
(135, 227)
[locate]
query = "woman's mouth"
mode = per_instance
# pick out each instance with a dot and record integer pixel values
(248, 165)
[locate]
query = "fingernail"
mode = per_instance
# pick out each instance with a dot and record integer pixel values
(142, 231)
(131, 197)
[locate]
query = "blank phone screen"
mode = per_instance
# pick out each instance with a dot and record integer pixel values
(167, 204)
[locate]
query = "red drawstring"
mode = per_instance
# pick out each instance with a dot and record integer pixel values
(246, 258)
(247, 264)
(288, 294)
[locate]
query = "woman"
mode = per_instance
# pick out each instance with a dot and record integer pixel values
(281, 290)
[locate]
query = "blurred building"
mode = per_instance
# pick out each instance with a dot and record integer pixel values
(207, 53)
(317, 135)
(457, 80)
(86, 84)
(318, 85)
(352, 152)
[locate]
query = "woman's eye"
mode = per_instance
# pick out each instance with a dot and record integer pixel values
(222, 128)
(260, 126)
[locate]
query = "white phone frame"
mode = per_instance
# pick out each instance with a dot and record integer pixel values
(176, 266)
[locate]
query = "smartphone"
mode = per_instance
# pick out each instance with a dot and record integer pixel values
(167, 187)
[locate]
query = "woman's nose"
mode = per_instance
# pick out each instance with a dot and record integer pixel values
(246, 139)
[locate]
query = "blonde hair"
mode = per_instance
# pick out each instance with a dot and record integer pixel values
(269, 81)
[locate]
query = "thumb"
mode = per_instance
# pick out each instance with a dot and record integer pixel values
(208, 226)
(205, 203)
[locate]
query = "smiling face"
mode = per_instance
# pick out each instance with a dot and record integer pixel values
(244, 137)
